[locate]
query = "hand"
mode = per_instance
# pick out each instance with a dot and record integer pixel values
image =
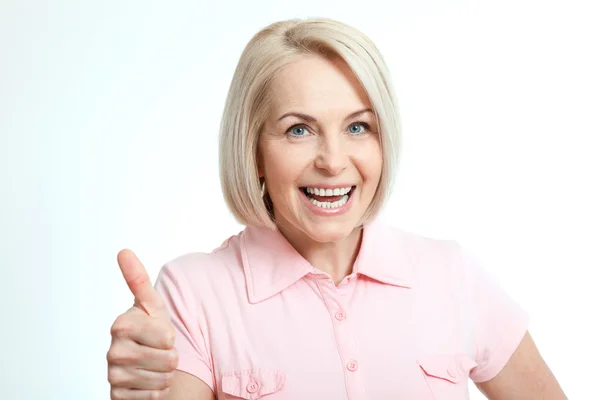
(141, 358)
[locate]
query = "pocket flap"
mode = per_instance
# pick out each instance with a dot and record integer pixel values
(452, 368)
(252, 384)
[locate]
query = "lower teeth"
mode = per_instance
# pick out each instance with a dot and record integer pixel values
(327, 204)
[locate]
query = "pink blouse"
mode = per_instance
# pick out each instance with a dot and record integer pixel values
(413, 320)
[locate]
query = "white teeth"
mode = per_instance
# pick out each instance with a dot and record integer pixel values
(327, 204)
(329, 192)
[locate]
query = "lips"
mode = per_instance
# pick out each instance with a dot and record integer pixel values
(328, 198)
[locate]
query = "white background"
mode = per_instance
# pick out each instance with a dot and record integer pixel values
(109, 115)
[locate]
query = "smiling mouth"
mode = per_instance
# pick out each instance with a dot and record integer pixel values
(328, 198)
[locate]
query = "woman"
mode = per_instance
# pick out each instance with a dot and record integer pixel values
(316, 299)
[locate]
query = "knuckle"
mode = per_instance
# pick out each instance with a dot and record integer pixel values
(115, 376)
(163, 332)
(121, 327)
(173, 360)
(110, 355)
(170, 378)
(117, 394)
(166, 381)
(169, 339)
(120, 357)
(139, 280)
(157, 395)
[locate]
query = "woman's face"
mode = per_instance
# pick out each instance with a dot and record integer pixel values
(319, 151)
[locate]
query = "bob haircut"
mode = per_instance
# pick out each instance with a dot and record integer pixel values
(248, 105)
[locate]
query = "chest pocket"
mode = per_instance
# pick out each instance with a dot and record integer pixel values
(447, 375)
(251, 384)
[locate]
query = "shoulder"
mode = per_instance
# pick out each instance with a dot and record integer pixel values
(428, 259)
(421, 242)
(198, 267)
(422, 247)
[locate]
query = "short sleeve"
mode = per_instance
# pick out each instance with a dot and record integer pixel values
(190, 343)
(499, 322)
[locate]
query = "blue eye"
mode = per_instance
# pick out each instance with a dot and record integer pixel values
(355, 129)
(358, 128)
(298, 131)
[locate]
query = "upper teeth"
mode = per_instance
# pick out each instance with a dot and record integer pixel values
(329, 192)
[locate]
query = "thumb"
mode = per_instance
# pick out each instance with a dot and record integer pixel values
(146, 297)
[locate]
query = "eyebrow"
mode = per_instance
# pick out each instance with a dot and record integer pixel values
(313, 119)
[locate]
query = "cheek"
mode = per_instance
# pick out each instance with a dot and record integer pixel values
(369, 160)
(284, 163)
(280, 169)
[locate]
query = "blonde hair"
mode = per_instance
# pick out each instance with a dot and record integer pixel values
(248, 106)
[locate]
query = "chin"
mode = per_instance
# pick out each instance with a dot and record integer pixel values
(329, 231)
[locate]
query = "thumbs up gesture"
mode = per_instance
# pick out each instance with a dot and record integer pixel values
(141, 358)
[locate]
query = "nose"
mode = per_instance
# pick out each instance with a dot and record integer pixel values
(331, 157)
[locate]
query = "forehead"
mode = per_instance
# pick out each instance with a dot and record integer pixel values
(316, 84)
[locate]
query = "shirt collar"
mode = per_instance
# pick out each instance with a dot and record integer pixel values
(271, 264)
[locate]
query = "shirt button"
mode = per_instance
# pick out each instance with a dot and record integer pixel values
(352, 365)
(252, 387)
(340, 316)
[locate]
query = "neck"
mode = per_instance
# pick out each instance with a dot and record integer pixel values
(335, 258)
